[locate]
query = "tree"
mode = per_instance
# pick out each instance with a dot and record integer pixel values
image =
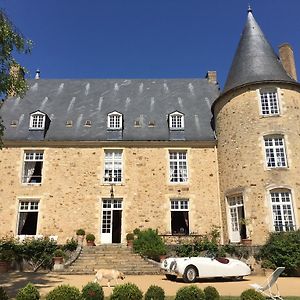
(12, 81)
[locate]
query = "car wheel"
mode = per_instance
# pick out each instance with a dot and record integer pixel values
(171, 277)
(190, 274)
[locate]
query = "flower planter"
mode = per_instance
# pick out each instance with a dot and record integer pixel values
(80, 239)
(4, 266)
(246, 242)
(130, 243)
(90, 243)
(58, 263)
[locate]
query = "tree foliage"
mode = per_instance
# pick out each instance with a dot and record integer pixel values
(149, 244)
(12, 80)
(282, 250)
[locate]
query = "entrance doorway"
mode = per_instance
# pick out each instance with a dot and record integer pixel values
(111, 226)
(237, 228)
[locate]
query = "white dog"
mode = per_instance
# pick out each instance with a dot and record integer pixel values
(108, 274)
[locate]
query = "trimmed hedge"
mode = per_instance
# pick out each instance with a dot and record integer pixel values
(29, 292)
(92, 291)
(251, 294)
(211, 293)
(155, 292)
(3, 294)
(64, 292)
(127, 291)
(191, 292)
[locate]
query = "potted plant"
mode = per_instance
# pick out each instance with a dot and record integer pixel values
(6, 257)
(58, 256)
(129, 239)
(247, 223)
(90, 239)
(58, 259)
(80, 235)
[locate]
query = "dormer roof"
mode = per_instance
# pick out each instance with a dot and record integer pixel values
(255, 59)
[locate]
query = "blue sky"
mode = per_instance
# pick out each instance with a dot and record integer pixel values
(144, 38)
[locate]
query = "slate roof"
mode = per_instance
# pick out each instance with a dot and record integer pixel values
(255, 59)
(148, 101)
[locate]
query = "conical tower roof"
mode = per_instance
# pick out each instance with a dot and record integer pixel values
(255, 59)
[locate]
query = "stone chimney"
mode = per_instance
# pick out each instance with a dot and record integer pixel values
(37, 74)
(211, 76)
(286, 55)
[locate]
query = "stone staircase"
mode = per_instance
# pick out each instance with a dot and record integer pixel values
(114, 256)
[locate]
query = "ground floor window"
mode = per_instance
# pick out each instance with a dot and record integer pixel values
(28, 217)
(282, 210)
(237, 226)
(180, 216)
(111, 228)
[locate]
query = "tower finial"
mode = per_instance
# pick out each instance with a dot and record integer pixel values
(249, 8)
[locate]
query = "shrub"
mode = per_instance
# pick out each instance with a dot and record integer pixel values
(251, 294)
(90, 237)
(191, 292)
(80, 232)
(282, 250)
(92, 291)
(211, 293)
(65, 292)
(8, 249)
(127, 291)
(71, 245)
(59, 253)
(39, 253)
(3, 295)
(29, 292)
(155, 292)
(129, 236)
(148, 243)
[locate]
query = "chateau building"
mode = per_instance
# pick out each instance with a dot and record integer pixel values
(176, 155)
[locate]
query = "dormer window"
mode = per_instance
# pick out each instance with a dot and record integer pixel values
(114, 121)
(37, 121)
(176, 121)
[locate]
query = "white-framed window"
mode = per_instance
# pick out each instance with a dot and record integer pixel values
(275, 152)
(237, 228)
(28, 217)
(114, 120)
(113, 166)
(178, 166)
(176, 121)
(269, 102)
(32, 166)
(179, 216)
(282, 210)
(37, 120)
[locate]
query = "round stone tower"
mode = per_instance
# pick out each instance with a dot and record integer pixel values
(257, 123)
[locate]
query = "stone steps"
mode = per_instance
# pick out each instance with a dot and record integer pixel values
(117, 257)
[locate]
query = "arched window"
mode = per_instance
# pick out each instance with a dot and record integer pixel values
(176, 121)
(283, 218)
(114, 120)
(37, 120)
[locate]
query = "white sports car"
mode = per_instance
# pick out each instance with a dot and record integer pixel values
(204, 267)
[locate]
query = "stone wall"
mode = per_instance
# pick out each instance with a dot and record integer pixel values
(72, 189)
(240, 129)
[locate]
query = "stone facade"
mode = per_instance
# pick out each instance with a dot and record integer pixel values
(241, 129)
(72, 189)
